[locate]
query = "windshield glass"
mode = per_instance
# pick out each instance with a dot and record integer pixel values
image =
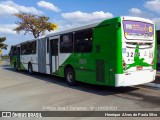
(138, 30)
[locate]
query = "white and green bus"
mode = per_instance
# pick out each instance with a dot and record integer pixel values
(115, 52)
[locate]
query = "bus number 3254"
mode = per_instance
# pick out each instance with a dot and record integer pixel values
(132, 54)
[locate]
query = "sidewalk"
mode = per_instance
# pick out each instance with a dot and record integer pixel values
(156, 83)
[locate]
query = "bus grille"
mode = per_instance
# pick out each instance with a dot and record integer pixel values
(100, 70)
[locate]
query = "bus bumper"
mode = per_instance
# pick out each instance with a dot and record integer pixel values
(134, 78)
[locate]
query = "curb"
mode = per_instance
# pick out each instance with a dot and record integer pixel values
(152, 85)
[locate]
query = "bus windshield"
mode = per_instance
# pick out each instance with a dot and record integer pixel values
(136, 30)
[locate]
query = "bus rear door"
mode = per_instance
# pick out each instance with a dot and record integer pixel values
(54, 64)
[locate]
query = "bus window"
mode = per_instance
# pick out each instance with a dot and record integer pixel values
(136, 30)
(66, 43)
(54, 47)
(28, 48)
(83, 41)
(47, 45)
(33, 47)
(13, 51)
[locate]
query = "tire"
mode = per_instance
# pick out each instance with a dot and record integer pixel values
(15, 66)
(70, 76)
(30, 69)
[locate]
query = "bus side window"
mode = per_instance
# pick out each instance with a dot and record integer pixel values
(66, 43)
(13, 50)
(83, 41)
(28, 48)
(47, 45)
(34, 47)
(24, 49)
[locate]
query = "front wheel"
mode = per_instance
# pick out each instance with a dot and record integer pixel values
(15, 66)
(70, 76)
(30, 70)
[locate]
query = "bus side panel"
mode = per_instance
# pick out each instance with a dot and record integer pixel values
(84, 67)
(101, 45)
(25, 59)
(100, 66)
(82, 64)
(108, 38)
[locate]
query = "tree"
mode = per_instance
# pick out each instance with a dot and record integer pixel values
(34, 24)
(2, 45)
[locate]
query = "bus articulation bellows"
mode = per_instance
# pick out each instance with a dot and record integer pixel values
(116, 52)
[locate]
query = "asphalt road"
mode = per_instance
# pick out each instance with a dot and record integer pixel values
(20, 91)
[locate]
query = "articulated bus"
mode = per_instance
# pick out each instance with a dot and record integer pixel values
(115, 52)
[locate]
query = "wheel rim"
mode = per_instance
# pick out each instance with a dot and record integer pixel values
(69, 76)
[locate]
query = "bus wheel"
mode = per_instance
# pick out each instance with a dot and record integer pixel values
(70, 76)
(30, 70)
(15, 67)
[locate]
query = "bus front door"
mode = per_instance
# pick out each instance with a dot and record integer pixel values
(18, 58)
(54, 56)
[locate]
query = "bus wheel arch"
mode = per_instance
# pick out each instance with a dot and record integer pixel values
(30, 68)
(69, 75)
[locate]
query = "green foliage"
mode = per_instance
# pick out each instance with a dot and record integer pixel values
(2, 45)
(34, 24)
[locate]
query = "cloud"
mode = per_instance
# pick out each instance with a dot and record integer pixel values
(139, 13)
(135, 11)
(63, 25)
(7, 10)
(157, 21)
(7, 28)
(9, 7)
(153, 5)
(48, 5)
(82, 17)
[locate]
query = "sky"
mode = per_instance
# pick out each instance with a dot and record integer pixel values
(72, 13)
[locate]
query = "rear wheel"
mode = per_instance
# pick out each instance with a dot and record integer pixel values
(70, 76)
(30, 70)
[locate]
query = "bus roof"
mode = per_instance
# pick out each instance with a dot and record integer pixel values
(137, 19)
(29, 41)
(73, 29)
(95, 24)
(88, 26)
